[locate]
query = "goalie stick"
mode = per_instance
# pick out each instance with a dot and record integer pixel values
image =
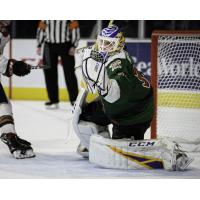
(31, 67)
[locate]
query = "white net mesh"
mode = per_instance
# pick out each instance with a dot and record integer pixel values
(179, 87)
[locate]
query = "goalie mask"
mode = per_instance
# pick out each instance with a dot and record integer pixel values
(110, 39)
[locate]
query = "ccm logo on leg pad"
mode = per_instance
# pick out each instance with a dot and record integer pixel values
(141, 144)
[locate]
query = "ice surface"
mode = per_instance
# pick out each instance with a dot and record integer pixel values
(54, 142)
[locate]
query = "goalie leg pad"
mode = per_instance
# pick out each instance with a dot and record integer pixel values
(82, 128)
(130, 154)
(86, 129)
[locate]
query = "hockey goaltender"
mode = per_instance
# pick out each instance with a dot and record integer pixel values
(126, 101)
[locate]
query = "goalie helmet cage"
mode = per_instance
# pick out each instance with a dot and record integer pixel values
(175, 77)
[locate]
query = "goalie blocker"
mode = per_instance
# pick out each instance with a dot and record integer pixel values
(125, 153)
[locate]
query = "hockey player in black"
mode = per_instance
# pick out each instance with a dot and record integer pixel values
(18, 147)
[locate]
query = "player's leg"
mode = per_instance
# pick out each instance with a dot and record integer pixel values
(18, 147)
(69, 73)
(51, 76)
(135, 131)
(93, 112)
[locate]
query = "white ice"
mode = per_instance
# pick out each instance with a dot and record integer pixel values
(55, 143)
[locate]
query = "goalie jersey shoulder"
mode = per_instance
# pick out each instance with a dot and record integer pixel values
(118, 57)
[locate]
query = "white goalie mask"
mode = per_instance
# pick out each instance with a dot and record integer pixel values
(110, 39)
(106, 44)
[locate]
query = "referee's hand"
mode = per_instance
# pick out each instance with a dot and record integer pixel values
(71, 51)
(39, 51)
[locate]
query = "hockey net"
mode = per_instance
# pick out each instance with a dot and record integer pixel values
(176, 82)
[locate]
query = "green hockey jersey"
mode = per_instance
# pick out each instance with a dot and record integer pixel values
(134, 103)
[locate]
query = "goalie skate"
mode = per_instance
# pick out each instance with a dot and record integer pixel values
(182, 162)
(82, 151)
(180, 159)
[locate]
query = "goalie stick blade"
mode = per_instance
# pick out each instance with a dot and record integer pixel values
(81, 97)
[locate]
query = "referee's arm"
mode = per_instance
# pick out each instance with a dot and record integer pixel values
(41, 33)
(75, 32)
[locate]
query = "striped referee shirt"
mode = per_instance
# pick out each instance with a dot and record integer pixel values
(58, 31)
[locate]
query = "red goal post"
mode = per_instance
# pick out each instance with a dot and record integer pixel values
(166, 43)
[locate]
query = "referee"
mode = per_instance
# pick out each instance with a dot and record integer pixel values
(60, 38)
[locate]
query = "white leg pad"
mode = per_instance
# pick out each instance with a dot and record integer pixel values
(84, 129)
(130, 154)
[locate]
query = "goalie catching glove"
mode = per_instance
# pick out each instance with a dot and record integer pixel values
(18, 68)
(94, 72)
(18, 147)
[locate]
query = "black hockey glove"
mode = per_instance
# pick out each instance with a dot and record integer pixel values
(18, 68)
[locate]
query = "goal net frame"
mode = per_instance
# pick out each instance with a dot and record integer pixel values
(154, 66)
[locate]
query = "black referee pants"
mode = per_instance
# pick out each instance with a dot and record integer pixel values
(51, 54)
